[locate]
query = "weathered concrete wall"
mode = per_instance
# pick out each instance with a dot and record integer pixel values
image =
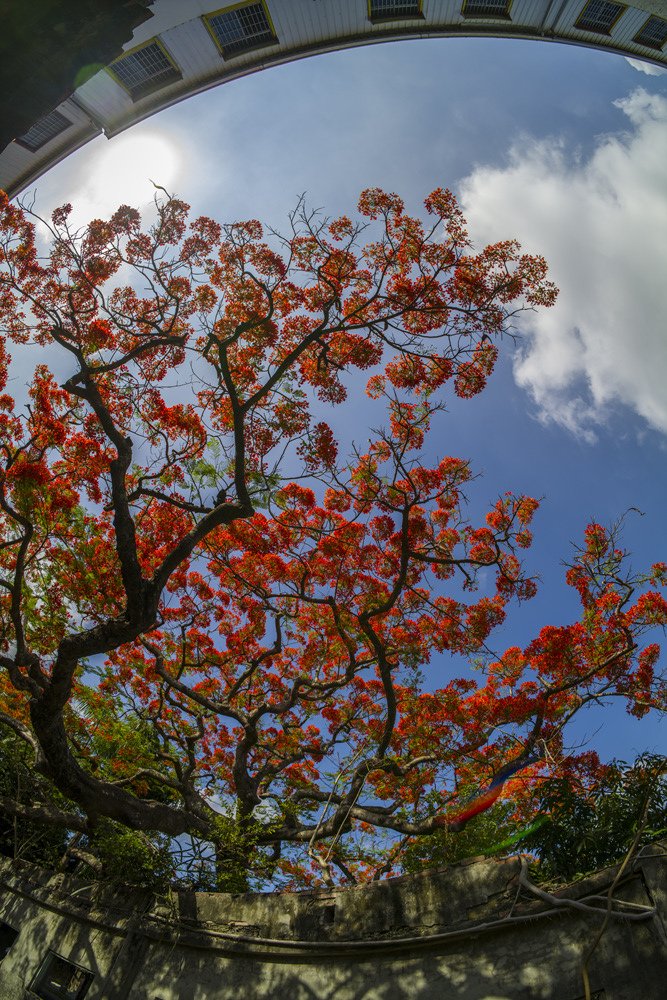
(466, 933)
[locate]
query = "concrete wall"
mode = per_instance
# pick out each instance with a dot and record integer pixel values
(469, 932)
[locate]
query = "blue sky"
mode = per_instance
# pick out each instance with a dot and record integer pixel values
(562, 147)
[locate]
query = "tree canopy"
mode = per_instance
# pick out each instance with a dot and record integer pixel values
(224, 641)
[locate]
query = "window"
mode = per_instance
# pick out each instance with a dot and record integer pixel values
(238, 29)
(599, 16)
(486, 8)
(654, 33)
(392, 10)
(7, 938)
(43, 131)
(144, 70)
(58, 979)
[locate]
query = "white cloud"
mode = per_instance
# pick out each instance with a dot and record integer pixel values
(645, 67)
(600, 222)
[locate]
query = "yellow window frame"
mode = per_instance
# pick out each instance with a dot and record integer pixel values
(237, 6)
(637, 38)
(144, 45)
(488, 17)
(380, 18)
(592, 31)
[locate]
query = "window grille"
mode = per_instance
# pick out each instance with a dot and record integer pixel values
(59, 979)
(486, 8)
(145, 70)
(391, 10)
(44, 130)
(599, 16)
(653, 34)
(241, 28)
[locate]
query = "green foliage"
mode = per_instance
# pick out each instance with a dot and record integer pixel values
(589, 832)
(124, 856)
(118, 855)
(129, 858)
(572, 834)
(238, 855)
(481, 836)
(21, 839)
(114, 747)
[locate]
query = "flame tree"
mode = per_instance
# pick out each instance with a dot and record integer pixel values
(214, 628)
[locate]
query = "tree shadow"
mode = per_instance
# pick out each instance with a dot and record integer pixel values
(383, 942)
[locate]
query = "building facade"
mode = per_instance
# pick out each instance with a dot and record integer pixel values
(188, 46)
(477, 931)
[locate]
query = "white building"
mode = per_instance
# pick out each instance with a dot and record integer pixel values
(188, 46)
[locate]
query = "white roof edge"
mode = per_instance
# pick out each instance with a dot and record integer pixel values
(16, 176)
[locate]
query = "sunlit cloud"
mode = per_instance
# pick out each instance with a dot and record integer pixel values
(600, 221)
(646, 67)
